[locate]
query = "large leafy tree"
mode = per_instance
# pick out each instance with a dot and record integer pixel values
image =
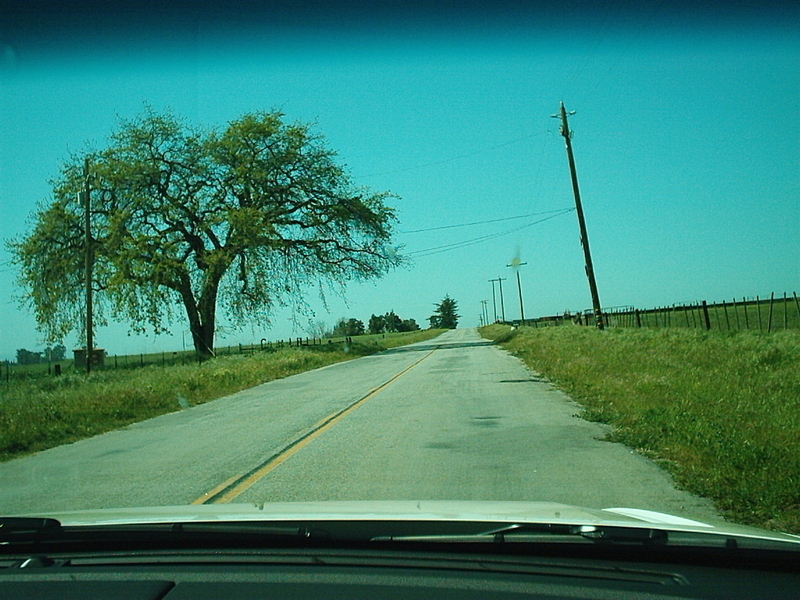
(246, 218)
(376, 324)
(445, 316)
(348, 327)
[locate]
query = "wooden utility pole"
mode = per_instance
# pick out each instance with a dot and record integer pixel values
(519, 289)
(516, 264)
(598, 314)
(500, 281)
(494, 301)
(89, 265)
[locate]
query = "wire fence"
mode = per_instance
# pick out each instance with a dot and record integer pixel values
(10, 370)
(767, 314)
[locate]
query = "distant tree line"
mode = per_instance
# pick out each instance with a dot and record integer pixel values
(26, 357)
(387, 323)
(390, 323)
(444, 317)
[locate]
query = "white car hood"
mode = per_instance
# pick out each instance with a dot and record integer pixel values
(426, 510)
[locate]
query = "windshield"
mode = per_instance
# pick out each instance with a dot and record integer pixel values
(264, 252)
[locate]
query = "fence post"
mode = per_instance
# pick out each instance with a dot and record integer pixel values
(769, 321)
(705, 315)
(785, 313)
(758, 312)
(796, 303)
(727, 321)
(746, 318)
(736, 314)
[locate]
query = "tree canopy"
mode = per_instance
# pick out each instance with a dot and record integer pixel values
(445, 316)
(348, 327)
(248, 217)
(390, 323)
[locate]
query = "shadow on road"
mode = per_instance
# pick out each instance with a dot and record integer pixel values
(439, 346)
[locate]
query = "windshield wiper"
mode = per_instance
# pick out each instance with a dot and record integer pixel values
(25, 532)
(26, 529)
(524, 531)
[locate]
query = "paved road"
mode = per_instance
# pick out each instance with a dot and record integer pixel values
(455, 418)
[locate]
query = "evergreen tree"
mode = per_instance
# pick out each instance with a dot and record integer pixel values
(445, 315)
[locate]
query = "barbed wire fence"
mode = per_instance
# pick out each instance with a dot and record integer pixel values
(768, 314)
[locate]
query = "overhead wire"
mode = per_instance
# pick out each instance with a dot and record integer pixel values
(499, 220)
(454, 158)
(7, 266)
(483, 238)
(599, 33)
(617, 14)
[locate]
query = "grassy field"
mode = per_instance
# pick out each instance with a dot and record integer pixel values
(43, 412)
(11, 372)
(719, 410)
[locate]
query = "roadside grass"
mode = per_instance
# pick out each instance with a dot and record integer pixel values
(719, 410)
(40, 413)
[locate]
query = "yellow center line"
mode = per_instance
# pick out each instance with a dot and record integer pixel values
(231, 488)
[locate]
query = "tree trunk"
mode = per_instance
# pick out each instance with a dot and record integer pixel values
(207, 312)
(201, 316)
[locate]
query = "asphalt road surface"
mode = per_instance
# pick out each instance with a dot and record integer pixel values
(455, 418)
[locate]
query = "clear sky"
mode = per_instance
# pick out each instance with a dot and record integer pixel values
(686, 136)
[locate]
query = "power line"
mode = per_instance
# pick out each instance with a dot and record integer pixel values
(483, 238)
(536, 214)
(615, 14)
(454, 158)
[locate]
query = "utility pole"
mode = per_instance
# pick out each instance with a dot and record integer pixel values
(89, 265)
(500, 280)
(485, 311)
(598, 314)
(516, 264)
(494, 301)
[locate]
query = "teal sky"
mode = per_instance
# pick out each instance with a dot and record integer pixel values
(686, 136)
